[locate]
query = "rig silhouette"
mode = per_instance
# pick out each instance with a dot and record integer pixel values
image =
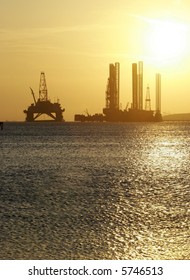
(43, 105)
(112, 112)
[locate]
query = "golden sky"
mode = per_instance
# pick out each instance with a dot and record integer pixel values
(74, 41)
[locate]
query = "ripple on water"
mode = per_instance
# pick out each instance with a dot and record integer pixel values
(95, 191)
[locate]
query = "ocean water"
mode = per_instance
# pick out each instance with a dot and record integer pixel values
(95, 191)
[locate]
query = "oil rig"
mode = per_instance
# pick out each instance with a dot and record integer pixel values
(112, 111)
(136, 113)
(43, 105)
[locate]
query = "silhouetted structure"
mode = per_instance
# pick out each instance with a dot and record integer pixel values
(158, 115)
(112, 91)
(134, 87)
(89, 118)
(43, 105)
(136, 112)
(1, 125)
(148, 100)
(140, 85)
(137, 86)
(112, 112)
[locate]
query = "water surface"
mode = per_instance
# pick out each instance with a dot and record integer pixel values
(95, 191)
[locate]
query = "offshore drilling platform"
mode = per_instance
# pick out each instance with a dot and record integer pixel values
(43, 105)
(112, 112)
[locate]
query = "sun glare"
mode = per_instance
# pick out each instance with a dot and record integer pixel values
(167, 40)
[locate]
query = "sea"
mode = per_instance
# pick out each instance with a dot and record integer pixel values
(96, 191)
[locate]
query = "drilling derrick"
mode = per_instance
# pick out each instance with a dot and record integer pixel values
(148, 100)
(43, 106)
(43, 93)
(112, 92)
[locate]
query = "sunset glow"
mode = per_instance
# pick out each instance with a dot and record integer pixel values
(73, 42)
(168, 39)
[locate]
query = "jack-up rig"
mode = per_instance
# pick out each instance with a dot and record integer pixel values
(112, 112)
(43, 105)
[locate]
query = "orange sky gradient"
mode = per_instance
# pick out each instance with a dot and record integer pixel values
(73, 42)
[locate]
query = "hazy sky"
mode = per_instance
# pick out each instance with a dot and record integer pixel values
(74, 41)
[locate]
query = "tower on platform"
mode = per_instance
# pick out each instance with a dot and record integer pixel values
(43, 93)
(43, 105)
(112, 92)
(148, 100)
(158, 115)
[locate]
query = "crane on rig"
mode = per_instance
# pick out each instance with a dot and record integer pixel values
(33, 95)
